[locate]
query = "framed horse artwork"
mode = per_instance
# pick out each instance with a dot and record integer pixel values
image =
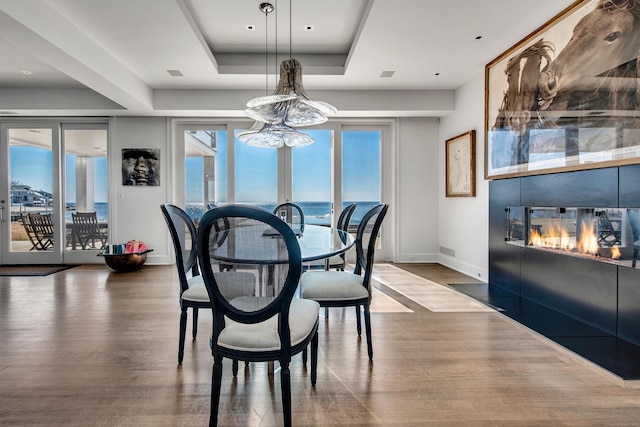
(567, 97)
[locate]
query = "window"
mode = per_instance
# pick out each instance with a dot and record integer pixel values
(87, 188)
(256, 175)
(311, 178)
(361, 170)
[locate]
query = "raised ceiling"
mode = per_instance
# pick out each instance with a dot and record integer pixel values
(116, 57)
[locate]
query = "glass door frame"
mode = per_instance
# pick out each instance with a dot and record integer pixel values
(336, 126)
(58, 254)
(83, 256)
(54, 256)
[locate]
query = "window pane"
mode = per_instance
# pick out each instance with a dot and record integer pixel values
(87, 188)
(205, 170)
(221, 196)
(256, 175)
(311, 178)
(361, 170)
(31, 177)
(194, 186)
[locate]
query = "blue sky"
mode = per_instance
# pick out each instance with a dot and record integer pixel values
(34, 167)
(256, 170)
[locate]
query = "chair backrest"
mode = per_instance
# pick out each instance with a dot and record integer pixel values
(85, 223)
(366, 239)
(345, 217)
(261, 244)
(293, 213)
(42, 224)
(183, 235)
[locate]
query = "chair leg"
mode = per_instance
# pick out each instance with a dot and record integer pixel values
(367, 326)
(183, 332)
(358, 321)
(234, 367)
(304, 357)
(635, 257)
(314, 358)
(194, 328)
(216, 383)
(285, 386)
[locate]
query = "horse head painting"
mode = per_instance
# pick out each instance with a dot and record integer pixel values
(592, 82)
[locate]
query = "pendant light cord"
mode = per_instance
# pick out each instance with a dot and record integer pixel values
(275, 74)
(266, 53)
(290, 31)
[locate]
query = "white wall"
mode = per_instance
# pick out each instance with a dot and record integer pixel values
(417, 190)
(136, 210)
(464, 221)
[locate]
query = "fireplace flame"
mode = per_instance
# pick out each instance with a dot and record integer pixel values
(615, 252)
(588, 243)
(553, 235)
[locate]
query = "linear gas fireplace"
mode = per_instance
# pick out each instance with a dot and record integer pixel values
(566, 244)
(603, 234)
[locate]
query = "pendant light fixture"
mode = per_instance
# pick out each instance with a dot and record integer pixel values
(288, 107)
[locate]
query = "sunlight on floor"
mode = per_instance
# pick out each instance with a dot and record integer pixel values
(428, 294)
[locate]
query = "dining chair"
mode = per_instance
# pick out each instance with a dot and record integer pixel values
(346, 289)
(336, 262)
(41, 226)
(193, 293)
(86, 230)
(292, 214)
(28, 228)
(271, 326)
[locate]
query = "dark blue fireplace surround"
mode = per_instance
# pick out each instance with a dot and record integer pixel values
(590, 307)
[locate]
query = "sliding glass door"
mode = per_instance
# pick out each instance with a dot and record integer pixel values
(86, 191)
(361, 170)
(49, 171)
(346, 164)
(30, 223)
(311, 178)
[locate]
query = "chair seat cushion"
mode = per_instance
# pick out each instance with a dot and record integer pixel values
(197, 291)
(231, 283)
(332, 286)
(263, 336)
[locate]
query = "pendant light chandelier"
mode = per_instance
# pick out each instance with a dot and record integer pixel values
(277, 115)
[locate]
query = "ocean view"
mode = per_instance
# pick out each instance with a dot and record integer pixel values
(101, 208)
(314, 212)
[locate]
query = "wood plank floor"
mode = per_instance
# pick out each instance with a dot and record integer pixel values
(87, 347)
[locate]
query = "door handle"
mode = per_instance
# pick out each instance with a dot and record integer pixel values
(2, 213)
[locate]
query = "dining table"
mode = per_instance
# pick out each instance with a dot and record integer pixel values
(316, 242)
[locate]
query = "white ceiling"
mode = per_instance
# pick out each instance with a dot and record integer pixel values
(110, 57)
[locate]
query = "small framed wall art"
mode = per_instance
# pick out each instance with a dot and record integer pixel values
(461, 165)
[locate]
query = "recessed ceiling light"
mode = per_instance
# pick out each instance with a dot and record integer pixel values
(308, 27)
(478, 37)
(387, 73)
(437, 74)
(27, 72)
(175, 73)
(250, 27)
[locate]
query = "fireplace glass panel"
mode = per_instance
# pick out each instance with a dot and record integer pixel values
(606, 234)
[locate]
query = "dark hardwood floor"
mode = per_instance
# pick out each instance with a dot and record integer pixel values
(88, 347)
